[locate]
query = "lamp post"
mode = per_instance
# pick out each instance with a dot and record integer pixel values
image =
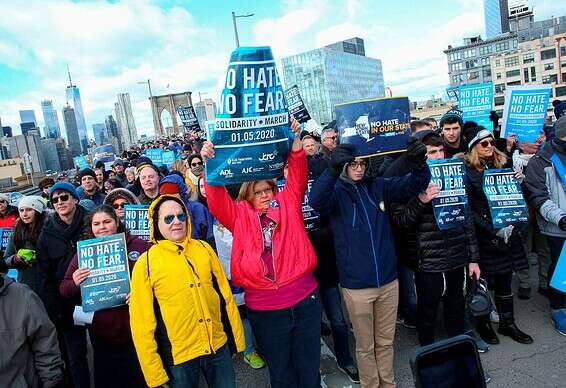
(234, 17)
(156, 125)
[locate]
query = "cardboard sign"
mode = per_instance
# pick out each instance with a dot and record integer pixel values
(296, 105)
(375, 127)
(137, 221)
(505, 198)
(525, 111)
(476, 103)
(108, 283)
(451, 203)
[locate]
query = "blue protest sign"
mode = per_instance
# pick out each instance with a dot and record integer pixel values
(6, 234)
(311, 217)
(451, 203)
(80, 162)
(452, 94)
(558, 280)
(155, 155)
(505, 198)
(296, 105)
(108, 283)
(136, 220)
(104, 154)
(375, 127)
(168, 158)
(251, 134)
(476, 102)
(13, 273)
(189, 118)
(525, 111)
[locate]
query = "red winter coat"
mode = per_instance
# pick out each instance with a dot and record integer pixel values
(293, 254)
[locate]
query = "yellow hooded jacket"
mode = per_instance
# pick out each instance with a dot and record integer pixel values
(181, 306)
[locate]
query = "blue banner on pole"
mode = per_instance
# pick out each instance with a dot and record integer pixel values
(525, 111)
(311, 217)
(104, 154)
(296, 105)
(80, 162)
(558, 280)
(505, 198)
(108, 283)
(451, 203)
(251, 135)
(168, 158)
(375, 127)
(155, 155)
(476, 103)
(137, 221)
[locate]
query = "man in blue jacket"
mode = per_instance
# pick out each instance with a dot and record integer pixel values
(365, 249)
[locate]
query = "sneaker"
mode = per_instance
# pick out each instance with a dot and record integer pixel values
(559, 318)
(406, 322)
(481, 345)
(351, 372)
(254, 360)
(493, 316)
(486, 376)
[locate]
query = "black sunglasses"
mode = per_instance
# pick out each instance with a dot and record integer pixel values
(62, 198)
(196, 164)
(119, 205)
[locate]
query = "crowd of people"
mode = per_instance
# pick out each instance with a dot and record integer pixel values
(233, 269)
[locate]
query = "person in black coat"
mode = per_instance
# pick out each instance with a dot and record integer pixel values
(438, 257)
(501, 251)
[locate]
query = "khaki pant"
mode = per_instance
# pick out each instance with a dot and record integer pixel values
(373, 312)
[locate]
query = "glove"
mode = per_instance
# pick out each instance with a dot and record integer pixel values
(342, 154)
(416, 152)
(562, 223)
(505, 233)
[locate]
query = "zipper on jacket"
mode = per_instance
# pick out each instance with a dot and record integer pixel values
(354, 217)
(370, 237)
(274, 280)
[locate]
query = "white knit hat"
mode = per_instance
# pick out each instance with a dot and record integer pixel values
(5, 197)
(34, 202)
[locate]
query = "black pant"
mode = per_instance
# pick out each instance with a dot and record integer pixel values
(500, 283)
(431, 288)
(116, 365)
(557, 298)
(75, 342)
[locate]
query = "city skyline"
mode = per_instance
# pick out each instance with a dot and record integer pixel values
(192, 52)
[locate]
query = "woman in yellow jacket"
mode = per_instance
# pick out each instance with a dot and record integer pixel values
(182, 313)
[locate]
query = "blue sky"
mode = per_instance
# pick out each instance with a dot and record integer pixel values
(185, 45)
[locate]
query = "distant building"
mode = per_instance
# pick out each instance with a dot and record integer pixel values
(72, 131)
(26, 127)
(74, 98)
(334, 74)
(100, 135)
(125, 120)
(7, 131)
(64, 155)
(28, 116)
(496, 16)
(49, 151)
(28, 144)
(435, 108)
(520, 16)
(205, 110)
(52, 129)
(114, 136)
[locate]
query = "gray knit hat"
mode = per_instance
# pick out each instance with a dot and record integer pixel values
(121, 193)
(560, 127)
(452, 114)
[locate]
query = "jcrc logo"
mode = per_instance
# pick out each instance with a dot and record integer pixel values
(226, 173)
(268, 157)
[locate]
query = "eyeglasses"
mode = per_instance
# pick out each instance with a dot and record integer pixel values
(119, 205)
(196, 164)
(355, 165)
(62, 198)
(182, 217)
(2, 201)
(331, 138)
(260, 193)
(487, 143)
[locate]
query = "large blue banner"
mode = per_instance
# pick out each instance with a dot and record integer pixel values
(476, 102)
(296, 105)
(558, 280)
(156, 155)
(104, 154)
(505, 198)
(251, 135)
(311, 217)
(108, 283)
(137, 221)
(450, 204)
(525, 111)
(375, 127)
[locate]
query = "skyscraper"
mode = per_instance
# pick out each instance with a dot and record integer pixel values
(205, 111)
(114, 134)
(52, 129)
(70, 120)
(100, 135)
(125, 120)
(334, 74)
(74, 98)
(496, 15)
(28, 116)
(49, 151)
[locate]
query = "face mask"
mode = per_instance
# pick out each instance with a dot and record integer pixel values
(198, 170)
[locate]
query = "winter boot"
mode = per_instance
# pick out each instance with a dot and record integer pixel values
(507, 326)
(485, 330)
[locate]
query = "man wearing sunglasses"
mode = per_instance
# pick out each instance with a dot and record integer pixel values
(56, 245)
(195, 169)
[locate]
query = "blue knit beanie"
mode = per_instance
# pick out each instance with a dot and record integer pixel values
(65, 186)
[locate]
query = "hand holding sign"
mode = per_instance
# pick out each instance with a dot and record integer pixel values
(80, 275)
(430, 193)
(207, 151)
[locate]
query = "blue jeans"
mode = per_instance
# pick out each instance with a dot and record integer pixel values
(332, 302)
(289, 341)
(217, 369)
(248, 336)
(408, 292)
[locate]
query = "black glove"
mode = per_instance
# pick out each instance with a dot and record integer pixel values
(342, 154)
(416, 152)
(562, 223)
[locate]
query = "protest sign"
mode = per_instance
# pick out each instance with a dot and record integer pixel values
(137, 221)
(452, 94)
(80, 162)
(189, 118)
(5, 235)
(525, 111)
(155, 155)
(451, 203)
(104, 154)
(375, 127)
(505, 198)
(251, 135)
(476, 102)
(296, 105)
(558, 280)
(311, 217)
(108, 283)
(168, 158)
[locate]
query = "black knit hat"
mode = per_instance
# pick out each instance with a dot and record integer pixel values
(474, 135)
(452, 114)
(87, 172)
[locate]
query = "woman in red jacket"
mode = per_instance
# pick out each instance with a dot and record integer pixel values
(273, 260)
(115, 360)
